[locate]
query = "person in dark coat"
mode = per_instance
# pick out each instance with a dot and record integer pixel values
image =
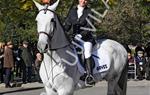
(140, 65)
(74, 21)
(8, 63)
(139, 47)
(38, 61)
(147, 51)
(1, 62)
(17, 57)
(27, 62)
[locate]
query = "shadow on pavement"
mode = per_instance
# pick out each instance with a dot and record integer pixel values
(21, 90)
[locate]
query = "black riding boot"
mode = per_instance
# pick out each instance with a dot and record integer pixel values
(89, 69)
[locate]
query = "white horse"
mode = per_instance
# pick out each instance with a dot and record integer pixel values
(63, 79)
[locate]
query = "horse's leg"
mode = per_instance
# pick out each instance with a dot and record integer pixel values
(67, 88)
(118, 85)
(111, 87)
(44, 78)
(122, 82)
(50, 91)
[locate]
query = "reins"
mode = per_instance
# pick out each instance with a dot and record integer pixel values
(52, 33)
(54, 88)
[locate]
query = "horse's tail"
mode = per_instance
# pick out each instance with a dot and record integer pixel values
(123, 79)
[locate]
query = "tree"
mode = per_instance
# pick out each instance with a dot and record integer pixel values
(124, 23)
(18, 20)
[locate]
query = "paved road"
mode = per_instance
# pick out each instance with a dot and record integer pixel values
(134, 88)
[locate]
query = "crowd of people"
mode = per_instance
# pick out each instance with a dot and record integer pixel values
(139, 62)
(19, 62)
(24, 62)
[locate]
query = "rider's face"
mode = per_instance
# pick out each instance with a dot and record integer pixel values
(83, 3)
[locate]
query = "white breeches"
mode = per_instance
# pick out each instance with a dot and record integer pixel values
(87, 49)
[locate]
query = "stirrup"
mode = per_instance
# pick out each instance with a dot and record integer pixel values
(92, 82)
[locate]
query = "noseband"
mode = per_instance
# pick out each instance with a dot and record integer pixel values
(49, 37)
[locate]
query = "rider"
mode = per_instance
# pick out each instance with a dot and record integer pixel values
(75, 20)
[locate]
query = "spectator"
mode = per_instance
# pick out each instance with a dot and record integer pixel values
(38, 61)
(147, 51)
(8, 63)
(1, 61)
(140, 64)
(17, 57)
(131, 64)
(139, 47)
(27, 62)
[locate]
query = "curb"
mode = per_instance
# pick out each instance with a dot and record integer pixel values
(36, 85)
(20, 87)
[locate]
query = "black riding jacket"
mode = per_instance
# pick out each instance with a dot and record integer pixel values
(74, 23)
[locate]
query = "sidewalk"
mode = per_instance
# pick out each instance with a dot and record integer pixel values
(130, 83)
(36, 85)
(20, 87)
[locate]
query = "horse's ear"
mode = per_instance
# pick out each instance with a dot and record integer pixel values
(54, 6)
(38, 5)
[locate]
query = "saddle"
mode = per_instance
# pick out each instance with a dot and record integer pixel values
(101, 62)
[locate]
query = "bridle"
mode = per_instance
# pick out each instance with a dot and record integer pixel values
(48, 35)
(52, 33)
(49, 54)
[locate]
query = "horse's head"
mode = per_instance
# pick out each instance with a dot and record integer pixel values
(45, 24)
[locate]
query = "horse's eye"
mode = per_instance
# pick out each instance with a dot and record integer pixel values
(53, 21)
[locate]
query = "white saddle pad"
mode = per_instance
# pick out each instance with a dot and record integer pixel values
(102, 62)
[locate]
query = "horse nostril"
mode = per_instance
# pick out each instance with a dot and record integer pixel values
(38, 47)
(46, 46)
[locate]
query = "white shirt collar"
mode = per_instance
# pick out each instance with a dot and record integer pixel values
(80, 11)
(80, 8)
